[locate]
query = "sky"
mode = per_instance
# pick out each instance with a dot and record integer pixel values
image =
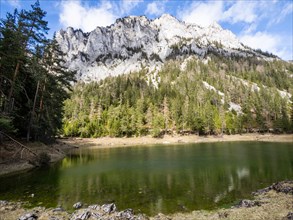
(263, 24)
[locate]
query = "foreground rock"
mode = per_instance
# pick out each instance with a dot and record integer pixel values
(12, 211)
(273, 202)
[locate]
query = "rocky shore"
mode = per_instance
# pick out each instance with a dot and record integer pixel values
(14, 158)
(273, 202)
(57, 151)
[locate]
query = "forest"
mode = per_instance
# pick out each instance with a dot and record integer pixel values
(33, 79)
(226, 95)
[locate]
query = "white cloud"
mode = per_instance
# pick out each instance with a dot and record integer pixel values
(14, 3)
(205, 13)
(241, 11)
(202, 13)
(155, 8)
(127, 6)
(287, 9)
(250, 28)
(74, 14)
(272, 43)
(261, 40)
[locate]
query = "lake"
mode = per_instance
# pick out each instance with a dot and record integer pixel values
(153, 179)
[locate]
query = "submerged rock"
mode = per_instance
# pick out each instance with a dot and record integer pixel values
(29, 216)
(77, 205)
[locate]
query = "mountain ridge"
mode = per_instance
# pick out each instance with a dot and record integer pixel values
(134, 43)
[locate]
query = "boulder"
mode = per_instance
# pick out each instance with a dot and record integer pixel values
(247, 203)
(58, 209)
(284, 187)
(81, 216)
(95, 207)
(289, 216)
(126, 214)
(29, 216)
(77, 205)
(109, 208)
(3, 202)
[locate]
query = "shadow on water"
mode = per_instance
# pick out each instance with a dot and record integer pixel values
(156, 179)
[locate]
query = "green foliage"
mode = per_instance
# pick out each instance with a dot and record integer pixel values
(130, 105)
(33, 79)
(6, 124)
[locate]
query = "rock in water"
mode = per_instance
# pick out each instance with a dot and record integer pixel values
(28, 216)
(77, 205)
(109, 208)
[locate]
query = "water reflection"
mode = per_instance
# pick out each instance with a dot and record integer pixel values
(158, 179)
(165, 179)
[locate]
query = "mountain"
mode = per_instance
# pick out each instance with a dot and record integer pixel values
(135, 42)
(152, 77)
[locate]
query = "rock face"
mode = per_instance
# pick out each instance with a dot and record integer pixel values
(135, 42)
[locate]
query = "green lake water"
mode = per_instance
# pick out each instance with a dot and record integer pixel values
(153, 179)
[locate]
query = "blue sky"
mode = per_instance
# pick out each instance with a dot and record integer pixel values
(266, 24)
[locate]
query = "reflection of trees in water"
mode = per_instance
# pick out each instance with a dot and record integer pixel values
(172, 178)
(77, 158)
(35, 186)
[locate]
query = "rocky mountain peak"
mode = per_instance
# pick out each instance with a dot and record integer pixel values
(136, 42)
(215, 25)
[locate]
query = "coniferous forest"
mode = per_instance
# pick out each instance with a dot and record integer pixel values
(224, 95)
(33, 80)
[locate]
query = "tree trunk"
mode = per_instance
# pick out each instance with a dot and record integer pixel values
(32, 113)
(9, 107)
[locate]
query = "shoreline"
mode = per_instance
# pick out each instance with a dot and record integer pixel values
(109, 142)
(273, 202)
(58, 151)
